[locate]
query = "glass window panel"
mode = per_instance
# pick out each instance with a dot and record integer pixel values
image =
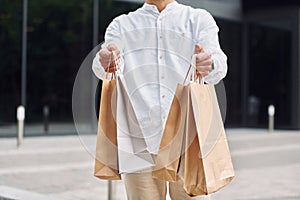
(10, 61)
(230, 37)
(269, 71)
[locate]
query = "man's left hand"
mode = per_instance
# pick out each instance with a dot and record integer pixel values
(203, 61)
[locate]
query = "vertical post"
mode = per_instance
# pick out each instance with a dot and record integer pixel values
(24, 53)
(95, 22)
(295, 73)
(93, 78)
(109, 196)
(271, 113)
(245, 73)
(46, 113)
(21, 123)
(298, 71)
(20, 119)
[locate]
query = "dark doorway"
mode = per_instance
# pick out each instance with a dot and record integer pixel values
(270, 73)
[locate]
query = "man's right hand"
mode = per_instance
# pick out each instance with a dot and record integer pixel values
(107, 58)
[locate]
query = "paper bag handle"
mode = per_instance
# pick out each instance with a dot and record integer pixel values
(194, 76)
(115, 64)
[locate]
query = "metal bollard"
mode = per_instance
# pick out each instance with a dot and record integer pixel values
(20, 118)
(46, 113)
(109, 196)
(271, 112)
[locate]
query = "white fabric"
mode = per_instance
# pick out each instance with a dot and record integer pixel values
(156, 49)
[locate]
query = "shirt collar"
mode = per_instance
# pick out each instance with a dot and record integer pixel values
(153, 8)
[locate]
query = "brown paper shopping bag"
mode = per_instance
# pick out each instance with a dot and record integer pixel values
(106, 161)
(168, 158)
(172, 144)
(208, 165)
(120, 146)
(205, 160)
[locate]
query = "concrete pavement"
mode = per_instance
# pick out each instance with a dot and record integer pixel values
(61, 167)
(10, 130)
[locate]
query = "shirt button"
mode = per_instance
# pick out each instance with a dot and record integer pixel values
(163, 96)
(160, 37)
(160, 57)
(162, 77)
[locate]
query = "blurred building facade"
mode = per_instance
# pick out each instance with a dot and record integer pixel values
(260, 38)
(262, 41)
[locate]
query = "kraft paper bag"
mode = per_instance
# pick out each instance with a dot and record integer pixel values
(172, 145)
(106, 161)
(121, 147)
(168, 158)
(208, 165)
(202, 157)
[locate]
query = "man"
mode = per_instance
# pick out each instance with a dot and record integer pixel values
(154, 45)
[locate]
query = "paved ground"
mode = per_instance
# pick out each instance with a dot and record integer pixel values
(10, 130)
(61, 168)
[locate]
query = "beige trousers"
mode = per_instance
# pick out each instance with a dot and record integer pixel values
(141, 186)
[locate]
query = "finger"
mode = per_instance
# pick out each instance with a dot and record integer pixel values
(207, 62)
(105, 57)
(113, 47)
(203, 74)
(104, 53)
(198, 49)
(105, 62)
(203, 68)
(202, 57)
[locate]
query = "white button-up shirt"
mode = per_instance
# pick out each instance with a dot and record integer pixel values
(156, 50)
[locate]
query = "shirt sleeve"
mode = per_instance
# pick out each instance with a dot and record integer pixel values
(207, 36)
(112, 36)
